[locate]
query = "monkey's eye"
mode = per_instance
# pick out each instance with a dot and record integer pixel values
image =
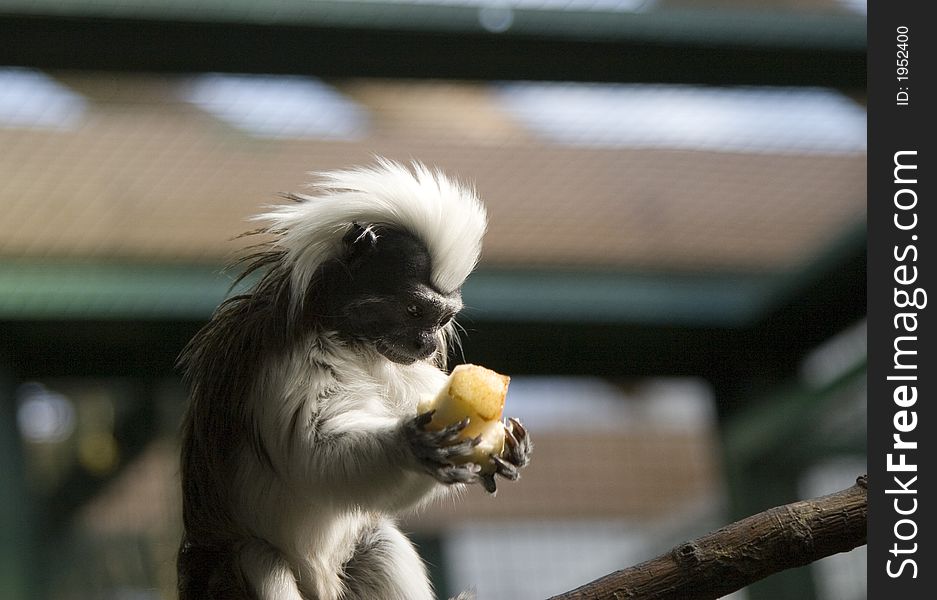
(414, 311)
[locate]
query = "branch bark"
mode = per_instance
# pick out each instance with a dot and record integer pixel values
(739, 554)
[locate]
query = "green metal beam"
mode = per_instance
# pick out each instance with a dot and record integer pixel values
(61, 290)
(761, 28)
(421, 40)
(45, 289)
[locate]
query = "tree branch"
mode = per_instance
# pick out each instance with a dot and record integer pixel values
(739, 554)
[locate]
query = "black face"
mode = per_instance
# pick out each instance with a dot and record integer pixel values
(380, 293)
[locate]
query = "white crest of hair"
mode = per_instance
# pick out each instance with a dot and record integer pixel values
(445, 215)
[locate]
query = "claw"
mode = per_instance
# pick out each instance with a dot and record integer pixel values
(510, 439)
(423, 420)
(437, 452)
(488, 482)
(454, 450)
(446, 436)
(517, 427)
(505, 469)
(450, 473)
(517, 446)
(467, 473)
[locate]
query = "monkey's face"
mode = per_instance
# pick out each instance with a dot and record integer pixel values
(383, 295)
(403, 327)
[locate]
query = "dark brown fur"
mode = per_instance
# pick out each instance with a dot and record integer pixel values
(219, 365)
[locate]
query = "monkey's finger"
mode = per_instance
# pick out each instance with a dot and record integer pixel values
(517, 430)
(423, 420)
(467, 473)
(463, 448)
(488, 482)
(517, 444)
(505, 469)
(453, 433)
(459, 426)
(510, 440)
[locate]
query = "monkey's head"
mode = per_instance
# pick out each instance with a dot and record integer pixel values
(379, 254)
(380, 292)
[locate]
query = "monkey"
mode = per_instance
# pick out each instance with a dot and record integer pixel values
(301, 443)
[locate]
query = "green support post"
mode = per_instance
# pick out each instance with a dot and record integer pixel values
(16, 542)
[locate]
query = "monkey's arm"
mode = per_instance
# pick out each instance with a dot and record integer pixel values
(378, 461)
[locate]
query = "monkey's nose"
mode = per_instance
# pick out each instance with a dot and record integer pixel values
(424, 346)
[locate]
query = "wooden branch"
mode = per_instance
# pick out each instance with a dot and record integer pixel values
(739, 554)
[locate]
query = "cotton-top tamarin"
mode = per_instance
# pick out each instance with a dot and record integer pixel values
(302, 440)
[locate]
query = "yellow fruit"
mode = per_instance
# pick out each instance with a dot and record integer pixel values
(492, 443)
(477, 393)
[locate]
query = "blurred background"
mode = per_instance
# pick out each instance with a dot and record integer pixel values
(674, 273)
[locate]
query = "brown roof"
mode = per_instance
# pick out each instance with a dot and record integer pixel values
(645, 474)
(602, 475)
(147, 176)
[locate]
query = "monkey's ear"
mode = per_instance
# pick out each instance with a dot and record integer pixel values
(359, 240)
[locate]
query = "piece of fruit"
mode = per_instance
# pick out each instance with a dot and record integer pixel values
(478, 394)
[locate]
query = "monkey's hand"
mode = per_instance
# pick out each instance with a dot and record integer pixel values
(514, 455)
(438, 452)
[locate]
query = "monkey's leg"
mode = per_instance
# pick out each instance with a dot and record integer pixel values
(268, 574)
(386, 566)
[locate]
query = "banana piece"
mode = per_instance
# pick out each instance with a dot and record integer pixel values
(477, 393)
